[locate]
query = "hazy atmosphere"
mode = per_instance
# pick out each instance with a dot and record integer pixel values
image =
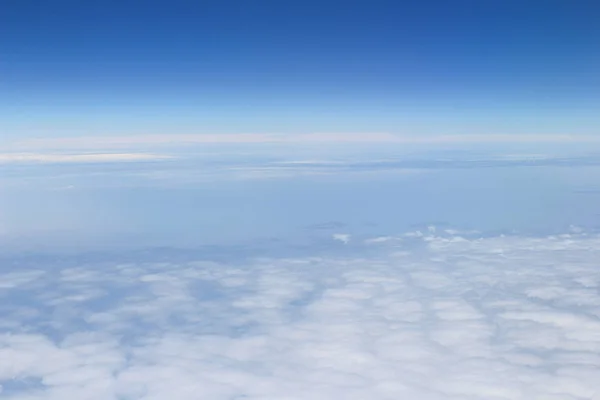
(299, 200)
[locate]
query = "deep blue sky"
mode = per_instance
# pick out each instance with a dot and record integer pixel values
(268, 66)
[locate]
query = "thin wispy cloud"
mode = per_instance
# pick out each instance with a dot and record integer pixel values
(49, 158)
(112, 142)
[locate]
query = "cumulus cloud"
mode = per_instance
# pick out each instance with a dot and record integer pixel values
(428, 316)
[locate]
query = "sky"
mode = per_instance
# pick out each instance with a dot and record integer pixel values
(72, 68)
(299, 200)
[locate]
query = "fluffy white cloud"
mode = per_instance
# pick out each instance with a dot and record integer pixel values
(431, 316)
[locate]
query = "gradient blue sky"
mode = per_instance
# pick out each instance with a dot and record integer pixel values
(74, 68)
(188, 122)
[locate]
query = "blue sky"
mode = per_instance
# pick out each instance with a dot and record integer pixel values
(115, 112)
(74, 68)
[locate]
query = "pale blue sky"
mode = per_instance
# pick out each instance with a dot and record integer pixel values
(232, 198)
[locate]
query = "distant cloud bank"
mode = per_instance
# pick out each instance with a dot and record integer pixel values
(108, 141)
(8, 158)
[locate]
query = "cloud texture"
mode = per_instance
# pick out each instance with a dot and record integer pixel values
(21, 158)
(429, 316)
(113, 141)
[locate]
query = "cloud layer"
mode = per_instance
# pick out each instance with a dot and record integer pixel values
(431, 316)
(113, 141)
(23, 158)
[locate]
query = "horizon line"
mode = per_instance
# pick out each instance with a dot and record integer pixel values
(109, 141)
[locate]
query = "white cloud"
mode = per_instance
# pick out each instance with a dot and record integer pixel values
(342, 237)
(380, 239)
(10, 158)
(453, 318)
(113, 141)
